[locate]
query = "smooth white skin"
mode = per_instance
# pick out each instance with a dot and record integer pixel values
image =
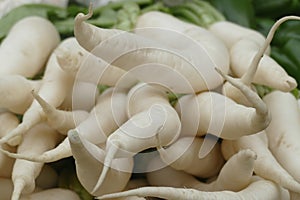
(250, 60)
(27, 46)
(269, 72)
(54, 88)
(152, 123)
(82, 96)
(283, 131)
(15, 92)
(107, 115)
(86, 67)
(61, 120)
(183, 155)
(218, 115)
(177, 34)
(235, 94)
(159, 126)
(230, 33)
(266, 165)
(235, 175)
(160, 174)
(89, 160)
(44, 138)
(130, 52)
(155, 126)
(258, 188)
(62, 150)
(141, 97)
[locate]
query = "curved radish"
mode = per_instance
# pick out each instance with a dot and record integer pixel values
(249, 56)
(266, 165)
(54, 88)
(235, 175)
(232, 32)
(82, 96)
(86, 67)
(183, 155)
(188, 38)
(146, 58)
(156, 126)
(283, 131)
(27, 46)
(107, 115)
(266, 189)
(89, 163)
(218, 115)
(15, 98)
(60, 120)
(24, 172)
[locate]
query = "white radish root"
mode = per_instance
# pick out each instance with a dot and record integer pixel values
(15, 98)
(183, 155)
(146, 58)
(267, 190)
(54, 88)
(283, 131)
(25, 172)
(266, 165)
(89, 161)
(27, 46)
(107, 115)
(156, 126)
(60, 120)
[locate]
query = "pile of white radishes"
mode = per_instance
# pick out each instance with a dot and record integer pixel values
(218, 140)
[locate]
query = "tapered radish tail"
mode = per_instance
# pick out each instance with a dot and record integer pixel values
(63, 150)
(286, 82)
(269, 168)
(82, 17)
(79, 23)
(87, 35)
(261, 118)
(19, 185)
(89, 165)
(15, 136)
(256, 101)
(171, 193)
(266, 166)
(111, 152)
(241, 163)
(247, 78)
(60, 120)
(258, 189)
(283, 131)
(82, 29)
(47, 108)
